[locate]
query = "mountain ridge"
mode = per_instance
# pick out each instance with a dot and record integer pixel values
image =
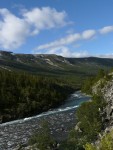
(48, 58)
(54, 65)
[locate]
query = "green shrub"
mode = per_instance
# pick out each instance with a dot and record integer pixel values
(89, 147)
(106, 143)
(43, 139)
(89, 116)
(90, 119)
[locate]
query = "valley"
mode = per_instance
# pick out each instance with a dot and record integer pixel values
(74, 70)
(14, 133)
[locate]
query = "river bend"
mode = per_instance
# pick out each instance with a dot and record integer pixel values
(61, 121)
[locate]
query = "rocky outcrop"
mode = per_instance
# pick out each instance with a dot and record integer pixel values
(105, 87)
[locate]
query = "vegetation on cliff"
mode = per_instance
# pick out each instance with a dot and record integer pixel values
(92, 118)
(106, 143)
(90, 123)
(88, 83)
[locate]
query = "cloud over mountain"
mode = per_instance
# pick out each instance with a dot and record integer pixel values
(60, 46)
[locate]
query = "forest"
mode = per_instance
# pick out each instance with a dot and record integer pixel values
(23, 95)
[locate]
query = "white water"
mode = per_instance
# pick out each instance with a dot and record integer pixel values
(72, 103)
(18, 132)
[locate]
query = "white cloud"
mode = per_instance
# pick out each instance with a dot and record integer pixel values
(59, 46)
(45, 18)
(58, 43)
(88, 34)
(72, 38)
(69, 39)
(106, 29)
(14, 30)
(65, 51)
(105, 55)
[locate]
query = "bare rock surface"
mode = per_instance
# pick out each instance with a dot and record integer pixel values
(106, 88)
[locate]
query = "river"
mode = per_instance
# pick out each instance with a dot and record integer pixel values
(61, 121)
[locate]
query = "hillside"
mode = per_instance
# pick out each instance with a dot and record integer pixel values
(103, 87)
(104, 140)
(94, 128)
(53, 65)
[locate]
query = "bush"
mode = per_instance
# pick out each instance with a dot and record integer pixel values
(87, 85)
(43, 139)
(89, 147)
(106, 143)
(89, 116)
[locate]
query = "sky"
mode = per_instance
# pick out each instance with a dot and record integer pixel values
(70, 28)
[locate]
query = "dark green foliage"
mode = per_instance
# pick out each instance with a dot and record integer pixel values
(108, 77)
(90, 117)
(43, 139)
(23, 95)
(74, 141)
(106, 143)
(88, 83)
(75, 70)
(70, 145)
(101, 74)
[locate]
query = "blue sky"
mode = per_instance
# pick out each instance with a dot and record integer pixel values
(71, 28)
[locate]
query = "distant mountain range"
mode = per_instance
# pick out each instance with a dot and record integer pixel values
(53, 65)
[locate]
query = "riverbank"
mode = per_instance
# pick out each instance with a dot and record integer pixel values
(61, 121)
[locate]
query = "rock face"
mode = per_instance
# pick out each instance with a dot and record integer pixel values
(105, 86)
(108, 95)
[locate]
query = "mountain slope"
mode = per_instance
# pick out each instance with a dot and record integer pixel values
(53, 65)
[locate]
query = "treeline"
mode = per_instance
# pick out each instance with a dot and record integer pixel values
(23, 95)
(88, 83)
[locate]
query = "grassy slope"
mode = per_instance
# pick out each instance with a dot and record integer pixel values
(75, 70)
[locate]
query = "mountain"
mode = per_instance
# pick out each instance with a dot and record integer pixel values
(54, 65)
